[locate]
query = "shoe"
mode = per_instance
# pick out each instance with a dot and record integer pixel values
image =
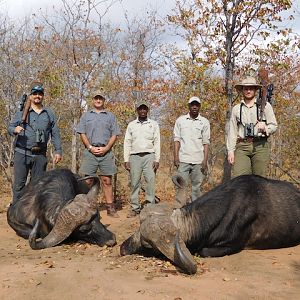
(111, 210)
(132, 214)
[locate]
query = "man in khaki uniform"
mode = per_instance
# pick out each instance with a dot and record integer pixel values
(141, 156)
(191, 144)
(247, 141)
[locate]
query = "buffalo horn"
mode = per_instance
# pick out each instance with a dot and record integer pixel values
(72, 215)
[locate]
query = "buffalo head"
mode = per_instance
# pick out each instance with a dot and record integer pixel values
(79, 218)
(157, 231)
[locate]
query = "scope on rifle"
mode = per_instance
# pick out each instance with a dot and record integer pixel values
(270, 93)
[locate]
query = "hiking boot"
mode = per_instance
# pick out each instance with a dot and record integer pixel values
(132, 214)
(111, 210)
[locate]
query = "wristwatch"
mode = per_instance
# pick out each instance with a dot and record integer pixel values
(90, 147)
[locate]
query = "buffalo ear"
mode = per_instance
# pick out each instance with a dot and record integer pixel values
(161, 234)
(179, 181)
(132, 245)
(94, 191)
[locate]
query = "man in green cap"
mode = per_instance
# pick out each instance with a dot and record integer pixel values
(98, 129)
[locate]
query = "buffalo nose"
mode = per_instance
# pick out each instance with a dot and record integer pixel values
(112, 242)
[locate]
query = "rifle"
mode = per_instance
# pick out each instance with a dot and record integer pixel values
(264, 78)
(24, 106)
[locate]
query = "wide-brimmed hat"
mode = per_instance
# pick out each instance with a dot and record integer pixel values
(247, 81)
(36, 86)
(142, 102)
(194, 99)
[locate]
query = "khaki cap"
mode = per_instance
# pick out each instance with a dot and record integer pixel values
(194, 99)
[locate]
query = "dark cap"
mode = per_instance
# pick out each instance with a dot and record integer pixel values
(142, 102)
(36, 86)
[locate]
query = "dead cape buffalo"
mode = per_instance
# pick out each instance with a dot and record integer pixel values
(248, 212)
(59, 206)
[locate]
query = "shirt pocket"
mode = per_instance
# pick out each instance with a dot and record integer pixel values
(149, 132)
(42, 122)
(198, 132)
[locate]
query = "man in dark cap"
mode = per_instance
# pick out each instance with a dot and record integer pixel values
(32, 136)
(98, 129)
(141, 156)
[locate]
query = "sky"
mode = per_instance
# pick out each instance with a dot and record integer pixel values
(16, 9)
(20, 8)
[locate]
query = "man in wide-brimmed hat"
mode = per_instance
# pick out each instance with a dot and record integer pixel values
(247, 140)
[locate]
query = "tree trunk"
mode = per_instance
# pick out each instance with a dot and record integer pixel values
(229, 67)
(74, 148)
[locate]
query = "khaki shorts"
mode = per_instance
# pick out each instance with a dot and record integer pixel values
(91, 163)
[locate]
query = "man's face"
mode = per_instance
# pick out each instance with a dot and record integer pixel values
(194, 108)
(142, 111)
(98, 102)
(37, 97)
(249, 92)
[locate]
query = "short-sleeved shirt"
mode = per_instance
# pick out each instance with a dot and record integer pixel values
(241, 115)
(192, 135)
(45, 122)
(142, 137)
(99, 127)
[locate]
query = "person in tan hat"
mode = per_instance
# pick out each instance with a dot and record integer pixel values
(141, 156)
(247, 140)
(99, 129)
(191, 145)
(31, 139)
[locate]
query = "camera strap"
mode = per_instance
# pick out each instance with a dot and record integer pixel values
(35, 129)
(241, 112)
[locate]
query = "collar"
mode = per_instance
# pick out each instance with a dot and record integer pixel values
(190, 118)
(146, 121)
(43, 108)
(244, 103)
(93, 110)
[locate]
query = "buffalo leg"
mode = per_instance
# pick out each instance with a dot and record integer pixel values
(218, 251)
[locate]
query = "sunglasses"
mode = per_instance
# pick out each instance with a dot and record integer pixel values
(37, 93)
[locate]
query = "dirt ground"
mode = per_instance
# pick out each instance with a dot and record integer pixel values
(82, 271)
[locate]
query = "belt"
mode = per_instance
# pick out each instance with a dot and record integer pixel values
(252, 139)
(98, 145)
(141, 153)
(42, 151)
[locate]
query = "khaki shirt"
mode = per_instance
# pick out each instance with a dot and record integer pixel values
(192, 135)
(249, 115)
(142, 137)
(99, 127)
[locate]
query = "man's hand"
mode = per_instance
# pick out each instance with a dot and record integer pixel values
(261, 127)
(204, 167)
(99, 151)
(127, 166)
(57, 158)
(230, 158)
(18, 129)
(176, 163)
(155, 166)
